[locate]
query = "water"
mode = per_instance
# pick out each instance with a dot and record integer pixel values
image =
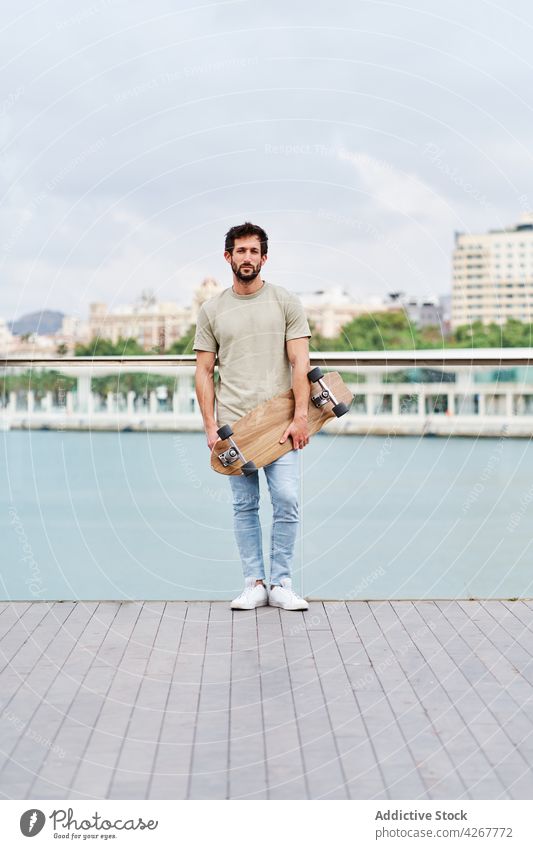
(141, 515)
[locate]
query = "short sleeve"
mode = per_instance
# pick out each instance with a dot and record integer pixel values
(296, 324)
(204, 339)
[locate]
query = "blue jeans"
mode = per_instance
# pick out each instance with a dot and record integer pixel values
(283, 483)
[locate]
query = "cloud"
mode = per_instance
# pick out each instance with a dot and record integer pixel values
(134, 135)
(394, 190)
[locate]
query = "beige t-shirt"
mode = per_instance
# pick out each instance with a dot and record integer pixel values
(248, 335)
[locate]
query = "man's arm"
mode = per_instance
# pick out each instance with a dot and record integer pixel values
(298, 354)
(205, 393)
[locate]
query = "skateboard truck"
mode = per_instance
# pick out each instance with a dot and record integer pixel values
(232, 454)
(339, 407)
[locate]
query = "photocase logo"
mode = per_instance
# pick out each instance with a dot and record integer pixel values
(32, 822)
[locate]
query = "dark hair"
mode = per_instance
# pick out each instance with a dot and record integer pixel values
(246, 229)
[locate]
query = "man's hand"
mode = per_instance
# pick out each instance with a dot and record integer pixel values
(212, 436)
(298, 432)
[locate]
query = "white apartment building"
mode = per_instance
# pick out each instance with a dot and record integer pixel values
(152, 323)
(493, 275)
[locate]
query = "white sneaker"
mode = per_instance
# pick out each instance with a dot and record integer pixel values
(253, 595)
(285, 597)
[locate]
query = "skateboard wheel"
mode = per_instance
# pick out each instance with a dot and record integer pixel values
(340, 409)
(224, 432)
(248, 468)
(315, 374)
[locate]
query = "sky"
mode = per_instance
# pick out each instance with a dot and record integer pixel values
(360, 135)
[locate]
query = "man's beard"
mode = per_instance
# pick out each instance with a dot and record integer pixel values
(248, 275)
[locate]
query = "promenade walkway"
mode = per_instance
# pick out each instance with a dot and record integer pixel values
(175, 700)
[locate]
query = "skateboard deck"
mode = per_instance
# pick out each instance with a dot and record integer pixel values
(255, 438)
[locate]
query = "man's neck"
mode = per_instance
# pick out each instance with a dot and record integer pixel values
(251, 288)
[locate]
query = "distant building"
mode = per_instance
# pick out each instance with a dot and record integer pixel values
(330, 309)
(208, 288)
(34, 344)
(493, 275)
(445, 304)
(158, 324)
(152, 323)
(74, 331)
(6, 337)
(424, 312)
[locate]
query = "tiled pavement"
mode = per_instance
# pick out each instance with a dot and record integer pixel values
(174, 700)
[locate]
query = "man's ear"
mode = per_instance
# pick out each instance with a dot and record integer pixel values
(227, 256)
(264, 259)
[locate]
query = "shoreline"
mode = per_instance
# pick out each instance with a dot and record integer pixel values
(383, 425)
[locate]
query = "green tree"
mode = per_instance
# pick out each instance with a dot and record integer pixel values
(394, 331)
(512, 334)
(184, 345)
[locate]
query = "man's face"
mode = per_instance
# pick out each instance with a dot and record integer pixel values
(245, 259)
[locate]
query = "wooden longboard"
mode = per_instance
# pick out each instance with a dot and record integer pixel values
(258, 433)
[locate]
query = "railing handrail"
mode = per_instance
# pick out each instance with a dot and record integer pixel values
(428, 357)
